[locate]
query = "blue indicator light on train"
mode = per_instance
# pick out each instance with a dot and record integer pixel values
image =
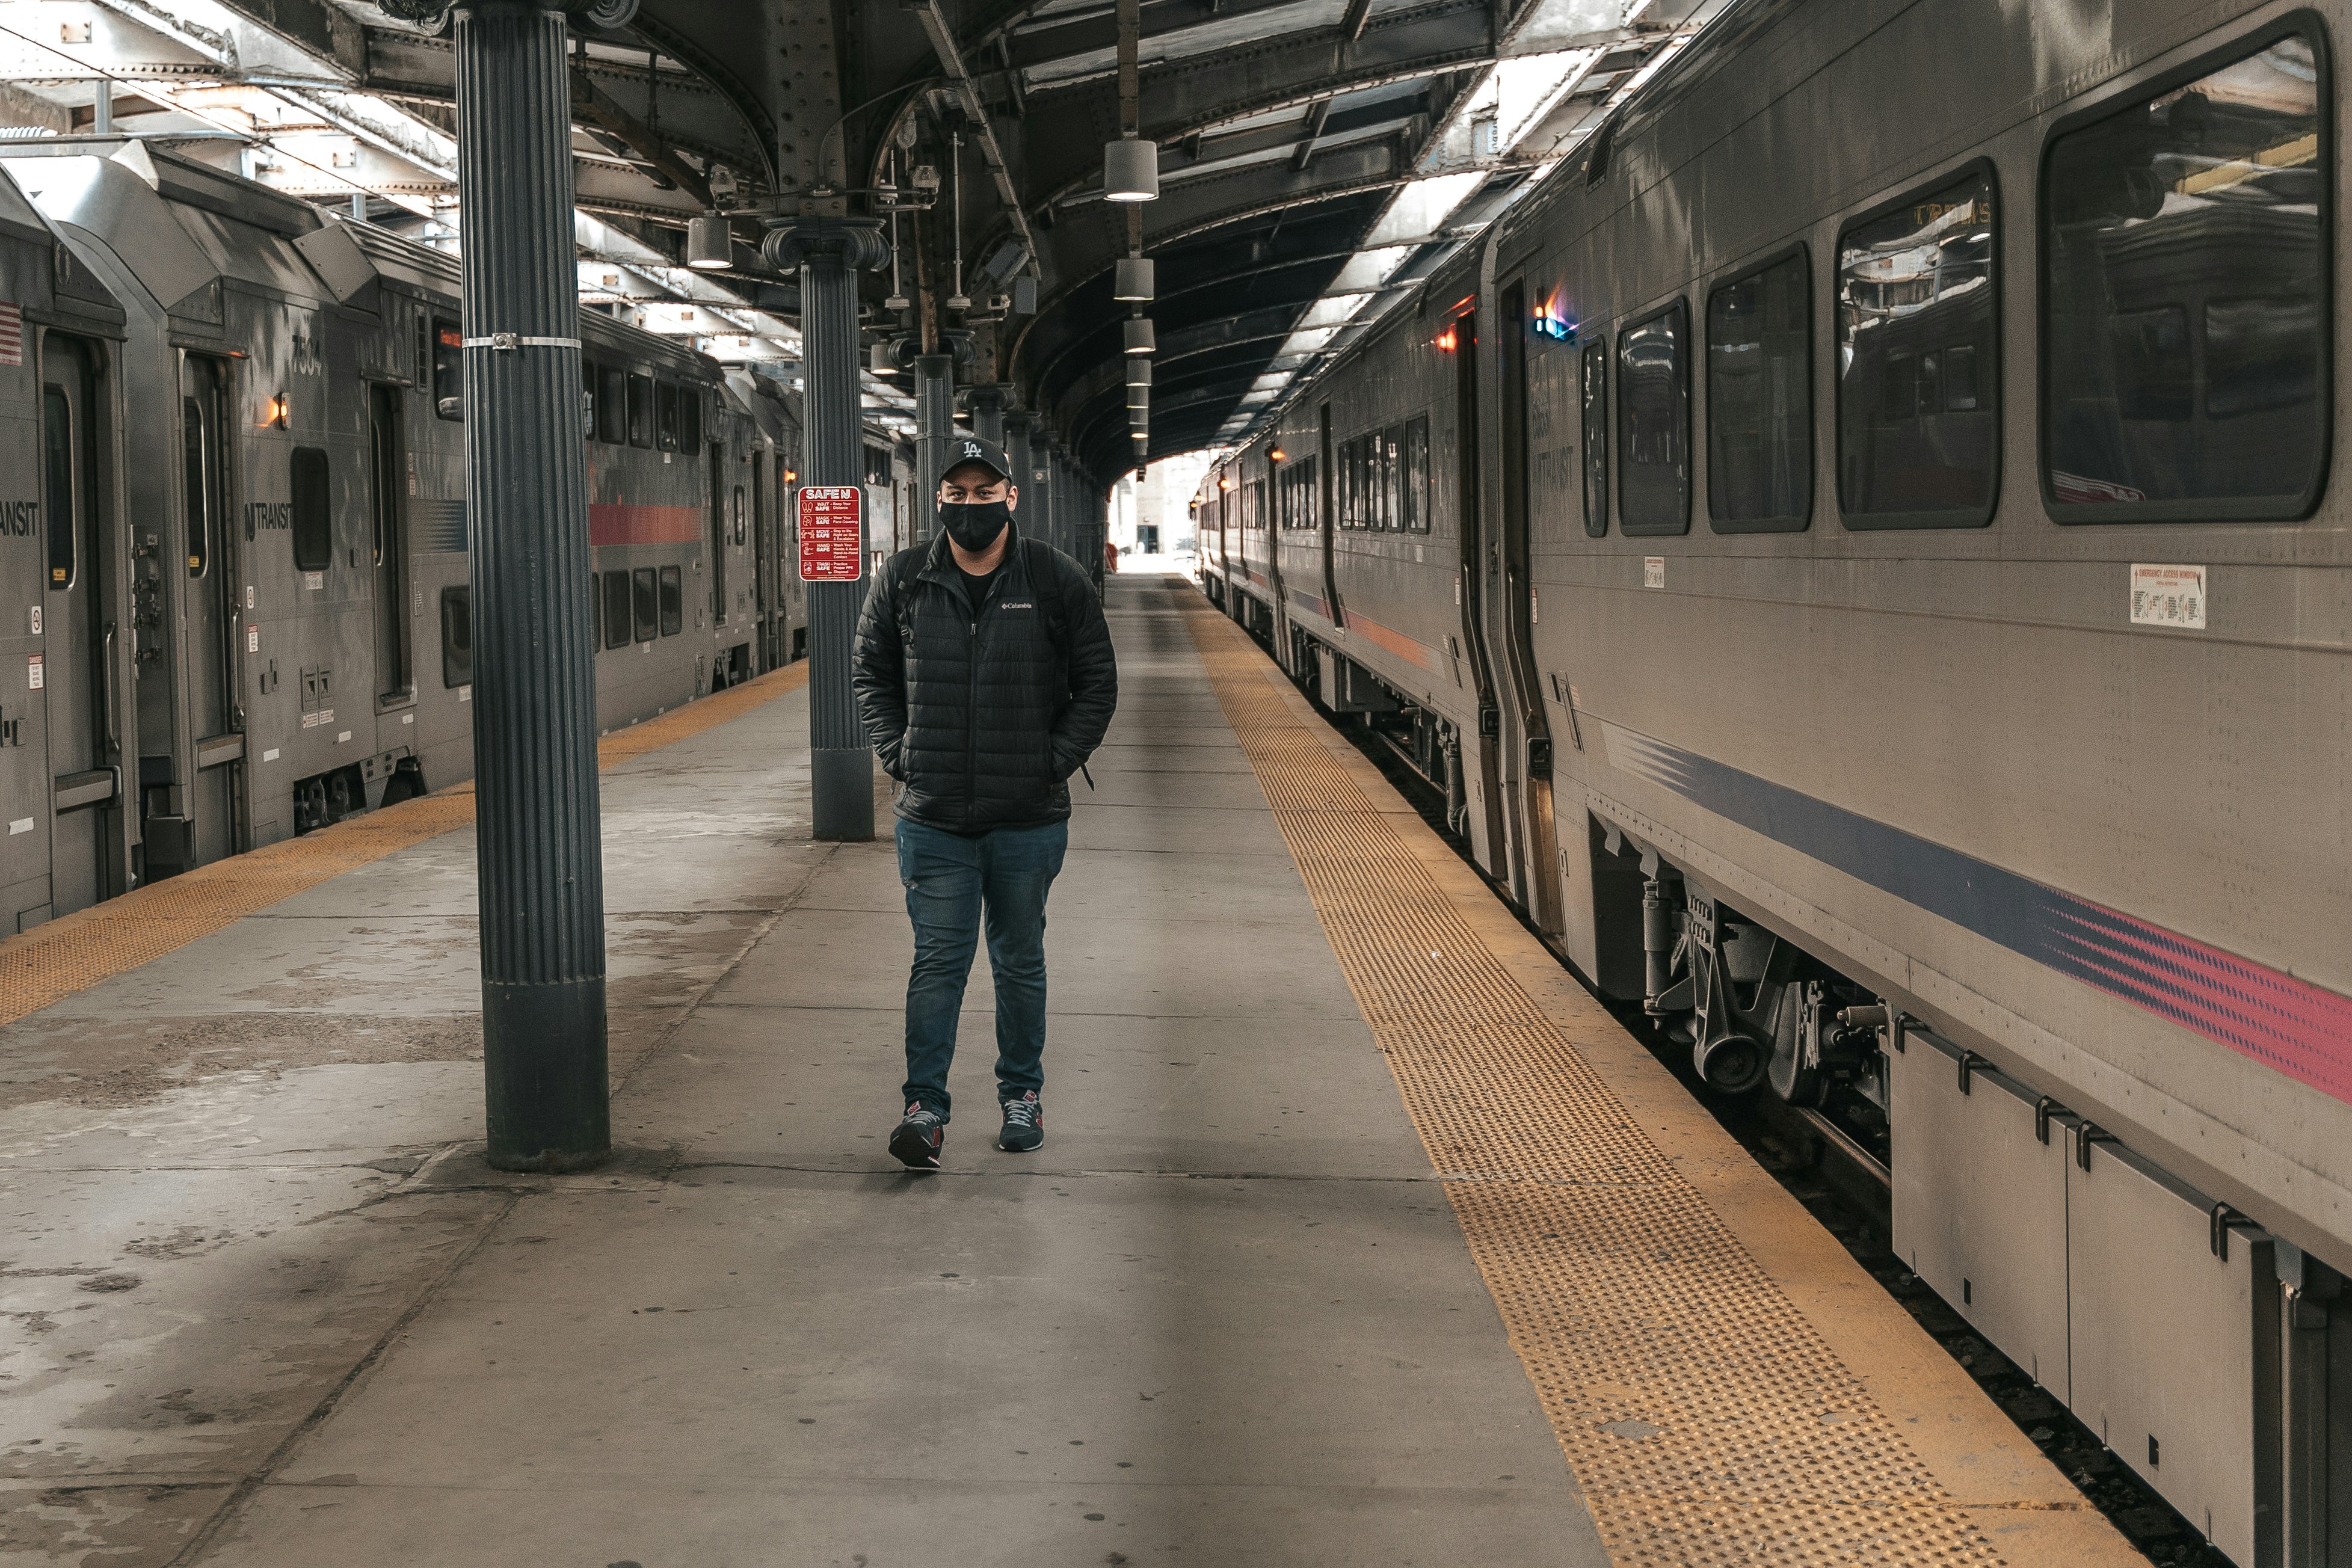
(1552, 322)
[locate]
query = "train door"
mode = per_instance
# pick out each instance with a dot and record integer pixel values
(1327, 523)
(763, 565)
(1492, 853)
(716, 530)
(78, 678)
(212, 807)
(1539, 892)
(395, 676)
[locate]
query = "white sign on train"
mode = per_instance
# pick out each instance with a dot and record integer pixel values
(2168, 596)
(833, 532)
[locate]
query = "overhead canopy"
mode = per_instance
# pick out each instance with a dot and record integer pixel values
(1316, 158)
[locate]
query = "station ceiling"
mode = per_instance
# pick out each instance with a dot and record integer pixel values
(1317, 159)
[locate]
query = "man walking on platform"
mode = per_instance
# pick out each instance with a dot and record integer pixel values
(984, 678)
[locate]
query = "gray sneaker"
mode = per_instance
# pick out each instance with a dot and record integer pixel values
(918, 1137)
(1024, 1124)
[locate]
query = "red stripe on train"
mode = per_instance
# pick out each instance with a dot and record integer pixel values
(624, 523)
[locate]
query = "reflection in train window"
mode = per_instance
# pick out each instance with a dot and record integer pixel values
(1918, 407)
(58, 485)
(1760, 400)
(313, 512)
(690, 420)
(457, 636)
(666, 416)
(1596, 439)
(1654, 423)
(619, 614)
(646, 604)
(612, 406)
(588, 400)
(672, 601)
(641, 410)
(2185, 305)
(448, 369)
(1416, 475)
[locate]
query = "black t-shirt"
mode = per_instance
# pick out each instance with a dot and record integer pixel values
(978, 586)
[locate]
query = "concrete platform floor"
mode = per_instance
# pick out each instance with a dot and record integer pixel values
(261, 1303)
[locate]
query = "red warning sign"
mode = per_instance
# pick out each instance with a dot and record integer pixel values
(833, 533)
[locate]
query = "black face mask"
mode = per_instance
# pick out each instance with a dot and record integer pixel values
(974, 525)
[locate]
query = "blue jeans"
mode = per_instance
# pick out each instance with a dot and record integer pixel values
(951, 879)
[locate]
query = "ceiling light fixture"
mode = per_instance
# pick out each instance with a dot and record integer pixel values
(1130, 170)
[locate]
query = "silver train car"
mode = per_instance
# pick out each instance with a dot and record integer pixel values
(261, 623)
(1856, 547)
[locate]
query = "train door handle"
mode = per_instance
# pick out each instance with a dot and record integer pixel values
(1539, 757)
(113, 693)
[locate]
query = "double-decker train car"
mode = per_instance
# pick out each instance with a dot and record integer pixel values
(242, 468)
(1877, 561)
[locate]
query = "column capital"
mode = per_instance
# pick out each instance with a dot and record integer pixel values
(435, 17)
(858, 242)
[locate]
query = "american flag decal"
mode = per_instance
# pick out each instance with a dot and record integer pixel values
(12, 334)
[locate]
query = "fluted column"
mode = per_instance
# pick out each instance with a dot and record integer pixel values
(934, 426)
(829, 253)
(537, 830)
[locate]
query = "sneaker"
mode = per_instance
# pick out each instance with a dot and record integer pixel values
(1024, 1125)
(918, 1138)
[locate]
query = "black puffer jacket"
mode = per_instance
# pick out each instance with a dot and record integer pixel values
(985, 721)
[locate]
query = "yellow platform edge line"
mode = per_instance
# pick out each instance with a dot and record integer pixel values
(1728, 1385)
(71, 954)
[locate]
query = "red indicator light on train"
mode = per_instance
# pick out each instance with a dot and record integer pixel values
(1224, 483)
(274, 413)
(1277, 455)
(1447, 340)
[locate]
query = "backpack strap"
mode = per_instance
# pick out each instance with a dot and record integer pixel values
(1046, 583)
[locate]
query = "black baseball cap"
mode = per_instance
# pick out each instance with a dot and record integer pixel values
(965, 449)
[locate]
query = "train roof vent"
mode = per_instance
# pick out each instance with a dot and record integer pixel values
(1596, 165)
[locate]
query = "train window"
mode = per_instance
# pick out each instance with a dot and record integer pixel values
(1596, 439)
(1257, 505)
(58, 484)
(1919, 404)
(2185, 299)
(448, 369)
(641, 410)
(619, 614)
(196, 443)
(612, 406)
(1384, 492)
(457, 636)
(1654, 423)
(672, 601)
(645, 603)
(1415, 516)
(666, 416)
(690, 420)
(313, 512)
(1760, 400)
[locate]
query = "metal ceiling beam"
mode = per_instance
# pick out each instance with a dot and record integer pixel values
(991, 151)
(1193, 95)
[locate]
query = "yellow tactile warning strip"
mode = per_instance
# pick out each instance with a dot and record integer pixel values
(67, 955)
(1704, 1416)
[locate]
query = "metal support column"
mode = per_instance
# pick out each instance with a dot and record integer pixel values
(1016, 452)
(829, 253)
(986, 405)
(1040, 500)
(934, 425)
(538, 827)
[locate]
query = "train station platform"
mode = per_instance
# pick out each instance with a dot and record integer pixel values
(1361, 1236)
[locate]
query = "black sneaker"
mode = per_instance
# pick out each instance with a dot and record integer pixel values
(918, 1139)
(1024, 1125)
